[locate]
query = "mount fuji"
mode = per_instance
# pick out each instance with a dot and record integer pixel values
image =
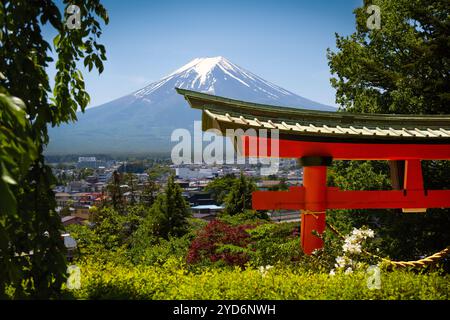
(144, 120)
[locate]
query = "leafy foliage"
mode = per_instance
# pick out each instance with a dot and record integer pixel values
(149, 193)
(173, 280)
(275, 244)
(246, 217)
(147, 248)
(115, 193)
(32, 259)
(219, 241)
(403, 67)
(240, 196)
(156, 251)
(159, 171)
(220, 187)
(168, 214)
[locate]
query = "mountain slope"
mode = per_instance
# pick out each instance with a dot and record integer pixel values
(144, 120)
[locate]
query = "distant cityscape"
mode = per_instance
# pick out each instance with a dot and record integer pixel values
(83, 184)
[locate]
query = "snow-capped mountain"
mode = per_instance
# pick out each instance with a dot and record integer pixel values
(144, 120)
(220, 77)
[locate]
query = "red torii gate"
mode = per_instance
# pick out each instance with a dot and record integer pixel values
(316, 138)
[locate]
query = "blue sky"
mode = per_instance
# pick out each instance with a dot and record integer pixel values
(282, 41)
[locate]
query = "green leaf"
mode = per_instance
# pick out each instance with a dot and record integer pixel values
(8, 202)
(56, 40)
(8, 179)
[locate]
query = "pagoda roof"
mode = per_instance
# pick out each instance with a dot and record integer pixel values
(311, 125)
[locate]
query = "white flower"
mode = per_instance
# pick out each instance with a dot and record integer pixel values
(351, 247)
(352, 239)
(264, 270)
(362, 234)
(340, 262)
(370, 233)
(358, 233)
(332, 273)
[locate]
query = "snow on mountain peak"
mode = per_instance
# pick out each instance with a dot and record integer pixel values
(200, 65)
(196, 74)
(209, 74)
(219, 76)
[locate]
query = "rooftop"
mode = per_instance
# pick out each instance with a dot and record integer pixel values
(310, 125)
(207, 207)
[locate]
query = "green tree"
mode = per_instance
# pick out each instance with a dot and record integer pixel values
(28, 220)
(403, 67)
(84, 173)
(168, 215)
(114, 229)
(131, 182)
(149, 192)
(115, 192)
(159, 171)
(240, 196)
(220, 187)
(109, 227)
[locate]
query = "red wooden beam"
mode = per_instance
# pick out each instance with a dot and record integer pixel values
(278, 200)
(345, 150)
(338, 199)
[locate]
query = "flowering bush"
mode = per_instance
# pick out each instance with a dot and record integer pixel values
(353, 243)
(352, 249)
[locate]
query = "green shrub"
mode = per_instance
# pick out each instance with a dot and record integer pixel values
(173, 281)
(147, 248)
(246, 217)
(160, 250)
(274, 243)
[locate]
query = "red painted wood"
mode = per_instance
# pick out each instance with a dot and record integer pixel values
(315, 197)
(278, 200)
(347, 151)
(313, 217)
(337, 199)
(413, 175)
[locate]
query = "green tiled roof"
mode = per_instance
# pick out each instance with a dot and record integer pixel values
(223, 113)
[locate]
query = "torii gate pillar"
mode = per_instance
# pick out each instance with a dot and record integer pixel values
(313, 216)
